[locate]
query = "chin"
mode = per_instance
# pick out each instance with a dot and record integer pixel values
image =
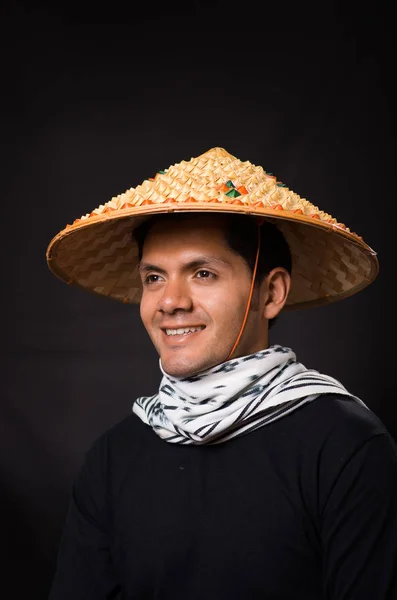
(179, 368)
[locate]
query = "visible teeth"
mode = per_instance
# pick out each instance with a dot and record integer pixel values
(181, 331)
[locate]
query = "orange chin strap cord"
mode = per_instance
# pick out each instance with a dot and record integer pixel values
(260, 221)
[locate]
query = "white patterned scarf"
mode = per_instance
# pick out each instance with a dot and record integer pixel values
(233, 398)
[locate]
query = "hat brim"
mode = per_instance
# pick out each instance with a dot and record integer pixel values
(100, 255)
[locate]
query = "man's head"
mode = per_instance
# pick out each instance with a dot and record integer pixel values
(196, 272)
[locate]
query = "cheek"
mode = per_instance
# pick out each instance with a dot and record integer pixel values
(223, 308)
(212, 299)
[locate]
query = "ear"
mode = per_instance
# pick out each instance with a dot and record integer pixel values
(276, 288)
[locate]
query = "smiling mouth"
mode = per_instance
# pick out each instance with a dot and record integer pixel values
(183, 331)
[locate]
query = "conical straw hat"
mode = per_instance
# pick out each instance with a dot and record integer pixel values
(97, 252)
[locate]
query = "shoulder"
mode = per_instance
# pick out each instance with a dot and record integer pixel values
(121, 441)
(341, 435)
(326, 434)
(340, 427)
(340, 416)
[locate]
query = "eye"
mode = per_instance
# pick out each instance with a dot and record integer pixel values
(204, 274)
(151, 279)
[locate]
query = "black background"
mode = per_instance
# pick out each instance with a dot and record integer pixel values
(97, 98)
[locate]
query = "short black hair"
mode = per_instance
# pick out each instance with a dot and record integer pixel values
(241, 234)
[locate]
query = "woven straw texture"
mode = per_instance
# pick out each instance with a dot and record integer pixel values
(97, 251)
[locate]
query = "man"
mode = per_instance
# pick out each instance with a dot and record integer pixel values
(248, 475)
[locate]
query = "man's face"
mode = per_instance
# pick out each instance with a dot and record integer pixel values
(195, 292)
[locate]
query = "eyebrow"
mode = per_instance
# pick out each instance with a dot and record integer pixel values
(201, 261)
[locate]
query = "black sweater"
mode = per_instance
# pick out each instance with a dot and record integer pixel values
(304, 508)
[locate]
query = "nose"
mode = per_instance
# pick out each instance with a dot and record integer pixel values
(176, 296)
